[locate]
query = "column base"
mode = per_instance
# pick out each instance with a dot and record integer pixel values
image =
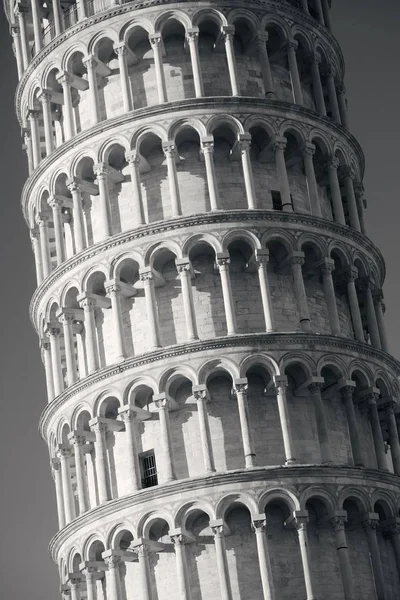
(290, 462)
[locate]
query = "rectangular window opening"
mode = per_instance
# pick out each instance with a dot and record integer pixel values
(148, 469)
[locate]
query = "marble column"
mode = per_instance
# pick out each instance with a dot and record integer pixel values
(326, 15)
(379, 312)
(65, 80)
(53, 333)
(393, 435)
(88, 304)
(78, 441)
(192, 37)
(217, 528)
(56, 472)
(133, 159)
(57, 17)
(15, 32)
(262, 39)
(114, 293)
(207, 148)
(297, 261)
(90, 577)
(45, 99)
(262, 259)
(351, 199)
(33, 117)
(201, 396)
(228, 32)
(284, 187)
(155, 40)
(128, 416)
(351, 276)
(101, 172)
(372, 397)
(183, 581)
(46, 353)
(317, 85)
(370, 525)
(35, 240)
(56, 205)
(170, 155)
(244, 146)
(291, 49)
(90, 63)
(103, 481)
(280, 383)
(21, 11)
(315, 388)
(347, 391)
(259, 528)
(240, 388)
(122, 52)
(184, 269)
(301, 520)
(43, 223)
(143, 558)
(371, 317)
(162, 403)
(64, 454)
(29, 149)
(308, 153)
(359, 193)
(341, 91)
(327, 266)
(67, 319)
(223, 261)
(338, 525)
(75, 587)
(113, 562)
(37, 26)
(338, 212)
(77, 213)
(146, 276)
(333, 100)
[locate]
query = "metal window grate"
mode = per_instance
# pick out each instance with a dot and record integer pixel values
(276, 200)
(149, 471)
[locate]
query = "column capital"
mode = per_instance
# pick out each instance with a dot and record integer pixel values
(338, 520)
(64, 78)
(217, 527)
(112, 286)
(100, 169)
(280, 381)
(223, 259)
(127, 412)
(326, 265)
(390, 407)
(333, 164)
(52, 329)
(297, 258)
(347, 388)
(371, 396)
(64, 451)
(192, 34)
(33, 113)
(308, 149)
(98, 426)
(65, 316)
(55, 202)
(155, 39)
(259, 523)
(169, 148)
(351, 274)
(34, 233)
(121, 49)
(132, 157)
(86, 300)
(200, 392)
(44, 96)
(178, 537)
(162, 401)
(280, 143)
(77, 438)
(228, 31)
(146, 274)
(183, 265)
(240, 385)
(42, 217)
(207, 144)
(262, 256)
(55, 464)
(112, 559)
(378, 296)
(74, 184)
(291, 45)
(370, 521)
(315, 384)
(89, 61)
(262, 37)
(300, 519)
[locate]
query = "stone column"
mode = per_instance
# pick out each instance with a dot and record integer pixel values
(301, 520)
(304, 6)
(338, 212)
(326, 15)
(291, 49)
(45, 99)
(21, 15)
(347, 390)
(128, 415)
(143, 558)
(308, 153)
(240, 388)
(393, 435)
(33, 117)
(56, 205)
(133, 159)
(37, 25)
(103, 481)
(393, 531)
(15, 32)
(78, 441)
(170, 155)
(338, 521)
(77, 213)
(54, 335)
(162, 403)
(113, 562)
(181, 565)
(359, 193)
(262, 39)
(372, 396)
(228, 32)
(101, 172)
(201, 397)
(90, 577)
(185, 273)
(88, 304)
(29, 149)
(297, 261)
(262, 259)
(56, 472)
(57, 17)
(351, 276)
(379, 313)
(327, 266)
(222, 563)
(35, 240)
(155, 40)
(146, 276)
(91, 64)
(67, 319)
(207, 147)
(114, 293)
(75, 587)
(192, 37)
(370, 524)
(81, 6)
(244, 145)
(315, 389)
(317, 86)
(341, 91)
(64, 454)
(333, 95)
(45, 346)
(371, 317)
(280, 382)
(284, 187)
(223, 261)
(65, 80)
(42, 221)
(122, 52)
(259, 528)
(351, 200)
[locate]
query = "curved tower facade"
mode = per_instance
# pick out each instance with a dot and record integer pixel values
(222, 407)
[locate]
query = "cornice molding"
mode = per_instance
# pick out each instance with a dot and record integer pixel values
(316, 473)
(285, 10)
(306, 341)
(239, 216)
(223, 103)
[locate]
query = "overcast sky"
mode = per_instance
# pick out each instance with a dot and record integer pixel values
(368, 31)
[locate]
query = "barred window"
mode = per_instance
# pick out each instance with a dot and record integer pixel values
(148, 469)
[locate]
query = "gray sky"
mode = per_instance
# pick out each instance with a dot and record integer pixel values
(368, 32)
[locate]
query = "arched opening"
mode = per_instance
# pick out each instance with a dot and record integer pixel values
(107, 79)
(228, 169)
(80, 93)
(95, 554)
(90, 199)
(133, 307)
(320, 160)
(264, 168)
(177, 63)
(169, 298)
(119, 190)
(357, 542)
(57, 100)
(276, 48)
(63, 195)
(366, 439)
(335, 415)
(72, 311)
(141, 68)
(116, 447)
(213, 57)
(339, 276)
(163, 561)
(103, 318)
(296, 173)
(280, 280)
(200, 555)
(154, 179)
(247, 58)
(313, 284)
(302, 412)
(386, 548)
(191, 172)
(185, 435)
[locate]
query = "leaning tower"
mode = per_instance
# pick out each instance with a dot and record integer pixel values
(222, 407)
